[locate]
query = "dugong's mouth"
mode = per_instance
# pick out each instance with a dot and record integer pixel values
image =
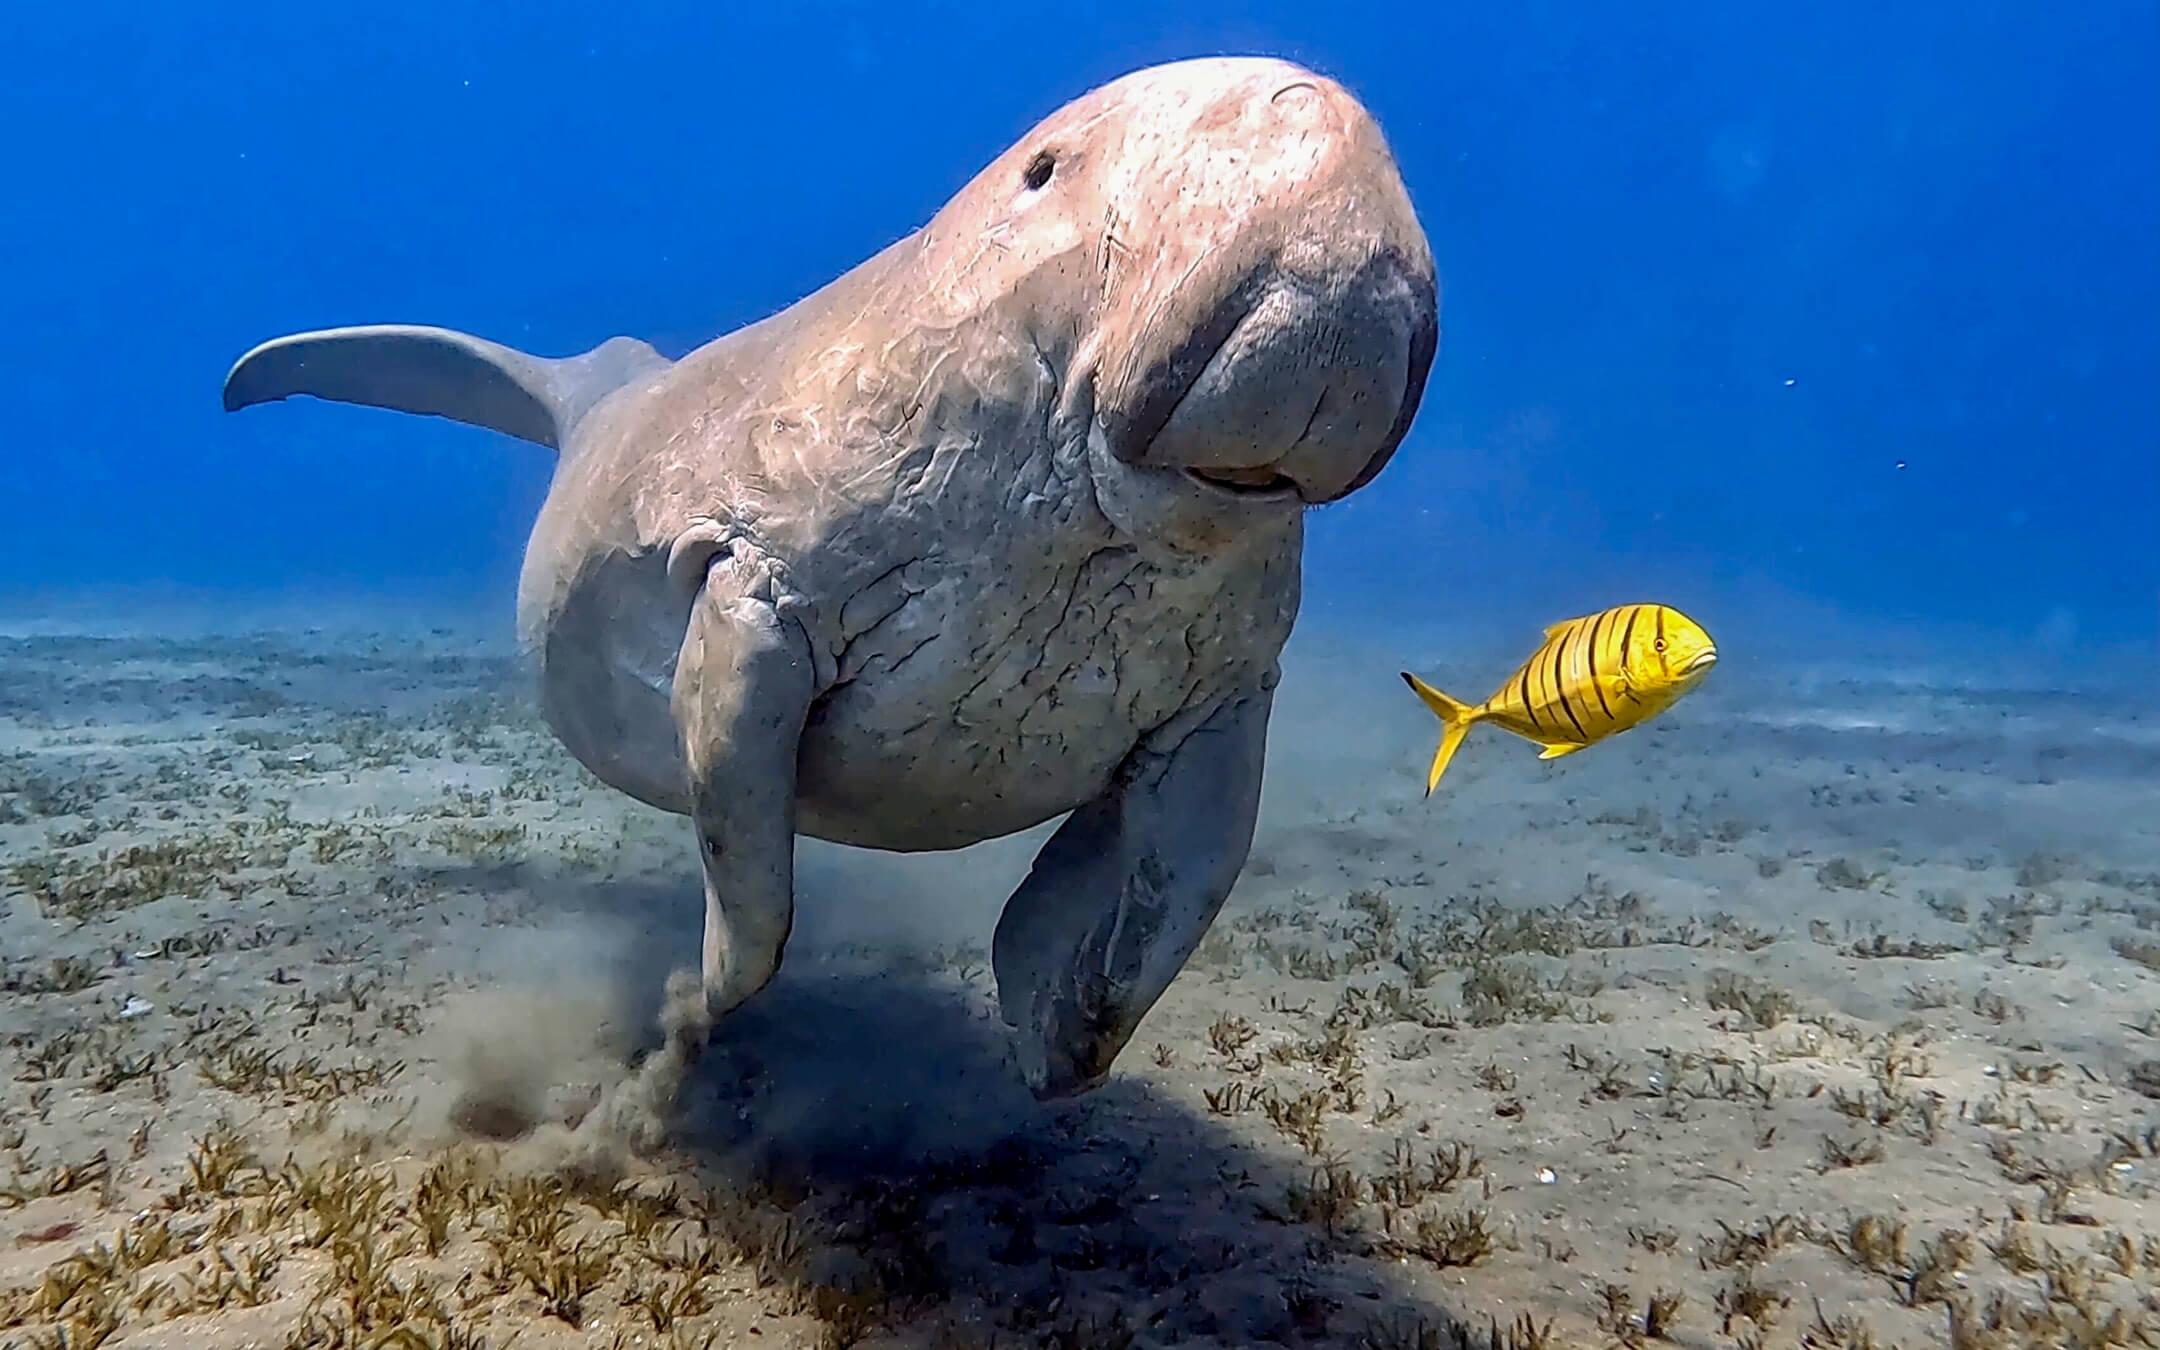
(1267, 483)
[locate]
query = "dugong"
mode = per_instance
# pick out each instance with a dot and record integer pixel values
(1002, 524)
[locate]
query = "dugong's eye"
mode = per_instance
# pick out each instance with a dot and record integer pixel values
(1037, 175)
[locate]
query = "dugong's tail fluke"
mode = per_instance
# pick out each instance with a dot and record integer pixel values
(442, 373)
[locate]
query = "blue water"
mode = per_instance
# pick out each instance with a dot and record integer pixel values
(1836, 325)
(1850, 308)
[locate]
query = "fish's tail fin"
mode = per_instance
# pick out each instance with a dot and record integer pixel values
(441, 372)
(1455, 719)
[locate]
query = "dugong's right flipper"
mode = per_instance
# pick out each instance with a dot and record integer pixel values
(436, 371)
(743, 686)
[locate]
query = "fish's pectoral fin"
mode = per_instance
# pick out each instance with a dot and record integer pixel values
(1555, 751)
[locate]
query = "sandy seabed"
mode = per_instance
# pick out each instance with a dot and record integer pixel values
(334, 1002)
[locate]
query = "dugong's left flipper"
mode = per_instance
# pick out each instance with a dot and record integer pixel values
(1123, 892)
(743, 686)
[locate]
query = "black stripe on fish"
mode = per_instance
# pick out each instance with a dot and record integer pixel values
(1581, 638)
(1547, 668)
(1560, 687)
(1596, 682)
(1529, 710)
(1627, 642)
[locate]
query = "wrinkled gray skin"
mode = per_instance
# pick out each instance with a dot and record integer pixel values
(1003, 523)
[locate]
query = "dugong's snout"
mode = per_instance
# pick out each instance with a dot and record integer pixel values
(1313, 389)
(1280, 339)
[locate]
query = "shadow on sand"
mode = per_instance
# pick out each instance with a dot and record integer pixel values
(861, 1137)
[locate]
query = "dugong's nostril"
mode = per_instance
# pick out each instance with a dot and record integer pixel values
(1294, 93)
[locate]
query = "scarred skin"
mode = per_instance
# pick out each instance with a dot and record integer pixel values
(919, 561)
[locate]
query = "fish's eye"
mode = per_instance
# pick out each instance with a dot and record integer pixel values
(1661, 644)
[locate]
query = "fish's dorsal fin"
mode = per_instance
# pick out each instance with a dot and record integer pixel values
(1560, 627)
(438, 371)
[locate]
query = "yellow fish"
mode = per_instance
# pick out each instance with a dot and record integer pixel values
(1593, 677)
